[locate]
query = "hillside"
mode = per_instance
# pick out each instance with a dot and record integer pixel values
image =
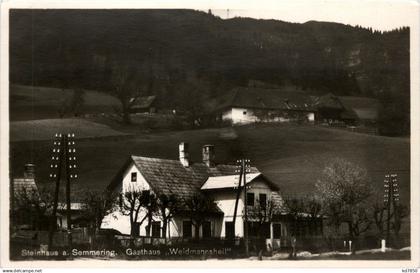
(291, 156)
(166, 48)
(32, 103)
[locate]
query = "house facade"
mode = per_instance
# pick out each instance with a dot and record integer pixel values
(244, 105)
(217, 182)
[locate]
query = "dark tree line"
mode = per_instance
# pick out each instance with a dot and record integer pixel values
(80, 49)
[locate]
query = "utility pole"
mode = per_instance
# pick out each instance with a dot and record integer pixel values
(390, 197)
(56, 161)
(238, 194)
(70, 174)
(244, 169)
(63, 147)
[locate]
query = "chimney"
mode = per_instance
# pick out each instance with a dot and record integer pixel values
(184, 155)
(29, 172)
(208, 155)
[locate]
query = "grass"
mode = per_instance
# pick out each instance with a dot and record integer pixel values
(31, 103)
(45, 129)
(291, 156)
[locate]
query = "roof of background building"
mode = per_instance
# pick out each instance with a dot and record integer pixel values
(142, 102)
(284, 98)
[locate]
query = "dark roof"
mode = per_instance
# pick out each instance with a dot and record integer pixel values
(362, 107)
(142, 102)
(24, 186)
(284, 98)
(166, 176)
(328, 101)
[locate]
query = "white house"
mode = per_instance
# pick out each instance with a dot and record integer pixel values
(185, 179)
(244, 105)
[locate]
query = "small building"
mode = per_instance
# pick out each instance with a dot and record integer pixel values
(346, 109)
(217, 182)
(145, 104)
(244, 105)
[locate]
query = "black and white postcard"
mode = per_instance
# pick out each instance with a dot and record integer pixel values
(262, 133)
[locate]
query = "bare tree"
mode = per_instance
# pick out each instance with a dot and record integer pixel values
(125, 90)
(261, 214)
(150, 204)
(295, 207)
(33, 205)
(97, 205)
(198, 207)
(168, 205)
(344, 190)
(131, 204)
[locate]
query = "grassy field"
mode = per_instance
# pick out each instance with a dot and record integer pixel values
(44, 129)
(31, 103)
(291, 156)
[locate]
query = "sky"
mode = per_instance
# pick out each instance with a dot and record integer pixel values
(379, 15)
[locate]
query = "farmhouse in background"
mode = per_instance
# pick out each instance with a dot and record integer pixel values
(185, 179)
(145, 104)
(347, 109)
(244, 105)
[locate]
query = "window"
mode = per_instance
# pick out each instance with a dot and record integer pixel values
(229, 230)
(136, 229)
(207, 229)
(276, 231)
(244, 113)
(187, 229)
(263, 200)
(250, 199)
(133, 177)
(156, 229)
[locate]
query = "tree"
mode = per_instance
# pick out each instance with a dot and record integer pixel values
(198, 206)
(344, 190)
(131, 204)
(191, 100)
(167, 205)
(262, 215)
(150, 204)
(294, 208)
(128, 83)
(97, 205)
(32, 206)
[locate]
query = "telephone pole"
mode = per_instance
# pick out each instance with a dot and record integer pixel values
(243, 169)
(390, 197)
(63, 147)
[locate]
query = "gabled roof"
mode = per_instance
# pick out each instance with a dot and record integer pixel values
(167, 176)
(284, 98)
(142, 102)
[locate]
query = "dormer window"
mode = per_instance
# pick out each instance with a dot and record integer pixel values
(133, 177)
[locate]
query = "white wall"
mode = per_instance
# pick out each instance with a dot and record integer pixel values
(141, 183)
(226, 199)
(246, 116)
